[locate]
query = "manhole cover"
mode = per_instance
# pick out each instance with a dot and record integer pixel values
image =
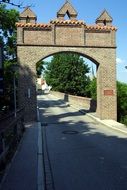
(70, 132)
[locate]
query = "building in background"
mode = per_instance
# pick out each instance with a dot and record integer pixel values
(42, 85)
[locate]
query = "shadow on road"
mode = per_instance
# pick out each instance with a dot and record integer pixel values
(83, 154)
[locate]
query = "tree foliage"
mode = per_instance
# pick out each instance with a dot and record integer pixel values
(8, 18)
(122, 102)
(67, 73)
(93, 89)
(40, 67)
(9, 2)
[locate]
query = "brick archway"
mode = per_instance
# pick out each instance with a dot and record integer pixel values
(96, 42)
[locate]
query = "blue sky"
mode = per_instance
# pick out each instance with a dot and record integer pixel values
(88, 11)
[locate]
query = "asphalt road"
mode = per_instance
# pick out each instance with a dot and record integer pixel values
(80, 154)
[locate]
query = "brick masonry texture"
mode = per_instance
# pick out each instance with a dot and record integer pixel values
(36, 42)
(67, 35)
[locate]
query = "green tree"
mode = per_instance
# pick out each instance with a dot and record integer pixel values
(10, 2)
(40, 67)
(122, 102)
(67, 73)
(93, 89)
(8, 18)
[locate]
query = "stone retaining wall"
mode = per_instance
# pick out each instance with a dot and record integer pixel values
(79, 102)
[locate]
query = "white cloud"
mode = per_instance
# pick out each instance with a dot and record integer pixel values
(119, 60)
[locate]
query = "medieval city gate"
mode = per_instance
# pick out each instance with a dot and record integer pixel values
(96, 42)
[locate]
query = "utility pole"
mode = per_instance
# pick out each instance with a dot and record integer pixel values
(14, 68)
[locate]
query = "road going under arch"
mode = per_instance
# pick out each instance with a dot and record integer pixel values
(80, 153)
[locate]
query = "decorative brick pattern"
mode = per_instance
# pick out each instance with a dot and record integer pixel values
(97, 42)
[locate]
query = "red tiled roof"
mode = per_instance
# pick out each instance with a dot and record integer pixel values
(98, 27)
(31, 25)
(67, 22)
(74, 22)
(80, 22)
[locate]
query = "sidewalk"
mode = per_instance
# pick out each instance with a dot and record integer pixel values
(22, 174)
(112, 124)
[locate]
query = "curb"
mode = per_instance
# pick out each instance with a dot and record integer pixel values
(40, 167)
(40, 174)
(108, 125)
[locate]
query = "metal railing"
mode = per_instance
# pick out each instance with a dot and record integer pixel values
(11, 131)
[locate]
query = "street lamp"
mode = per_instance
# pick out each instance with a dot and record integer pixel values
(125, 67)
(14, 68)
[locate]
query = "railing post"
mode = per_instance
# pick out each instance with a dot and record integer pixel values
(15, 110)
(3, 142)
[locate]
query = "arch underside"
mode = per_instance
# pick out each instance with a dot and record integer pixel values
(77, 51)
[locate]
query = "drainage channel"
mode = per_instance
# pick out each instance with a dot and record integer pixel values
(70, 132)
(54, 123)
(48, 176)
